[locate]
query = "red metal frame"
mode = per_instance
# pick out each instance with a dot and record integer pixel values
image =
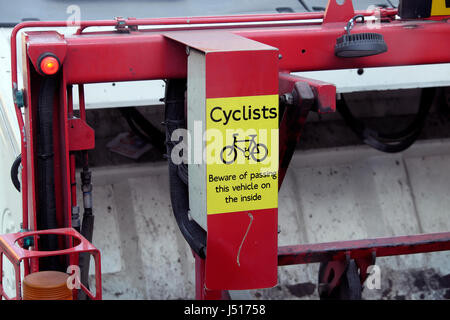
(356, 249)
(9, 246)
(154, 54)
(307, 95)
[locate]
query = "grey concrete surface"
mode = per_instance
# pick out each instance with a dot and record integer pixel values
(335, 189)
(329, 194)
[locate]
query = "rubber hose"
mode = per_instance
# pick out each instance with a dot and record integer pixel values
(45, 169)
(179, 191)
(390, 142)
(15, 172)
(143, 128)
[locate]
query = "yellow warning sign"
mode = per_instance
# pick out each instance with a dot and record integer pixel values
(440, 8)
(242, 153)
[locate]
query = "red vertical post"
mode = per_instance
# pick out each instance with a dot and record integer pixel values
(18, 281)
(201, 292)
(81, 103)
(1, 275)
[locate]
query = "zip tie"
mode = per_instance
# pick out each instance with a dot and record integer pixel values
(245, 236)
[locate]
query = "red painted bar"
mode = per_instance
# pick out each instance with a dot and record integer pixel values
(286, 38)
(149, 55)
(383, 247)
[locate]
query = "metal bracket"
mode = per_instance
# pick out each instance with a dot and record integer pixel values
(299, 96)
(123, 26)
(27, 241)
(363, 264)
(336, 12)
(298, 104)
(331, 273)
(18, 98)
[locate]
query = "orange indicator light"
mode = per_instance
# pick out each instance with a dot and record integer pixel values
(49, 65)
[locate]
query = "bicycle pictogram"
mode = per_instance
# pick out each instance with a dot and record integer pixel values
(258, 151)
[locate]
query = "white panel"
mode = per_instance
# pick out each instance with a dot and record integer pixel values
(384, 78)
(196, 97)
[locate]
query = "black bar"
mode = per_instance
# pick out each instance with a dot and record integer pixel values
(413, 9)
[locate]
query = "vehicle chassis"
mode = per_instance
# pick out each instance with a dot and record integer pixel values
(304, 42)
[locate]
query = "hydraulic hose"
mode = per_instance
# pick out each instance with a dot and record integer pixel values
(45, 172)
(87, 225)
(395, 141)
(15, 172)
(143, 128)
(179, 191)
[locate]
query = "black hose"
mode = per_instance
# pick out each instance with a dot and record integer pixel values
(15, 172)
(391, 4)
(179, 191)
(45, 186)
(304, 5)
(143, 128)
(390, 142)
(87, 225)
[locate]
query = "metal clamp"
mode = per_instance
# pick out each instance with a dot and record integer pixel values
(123, 26)
(351, 23)
(18, 98)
